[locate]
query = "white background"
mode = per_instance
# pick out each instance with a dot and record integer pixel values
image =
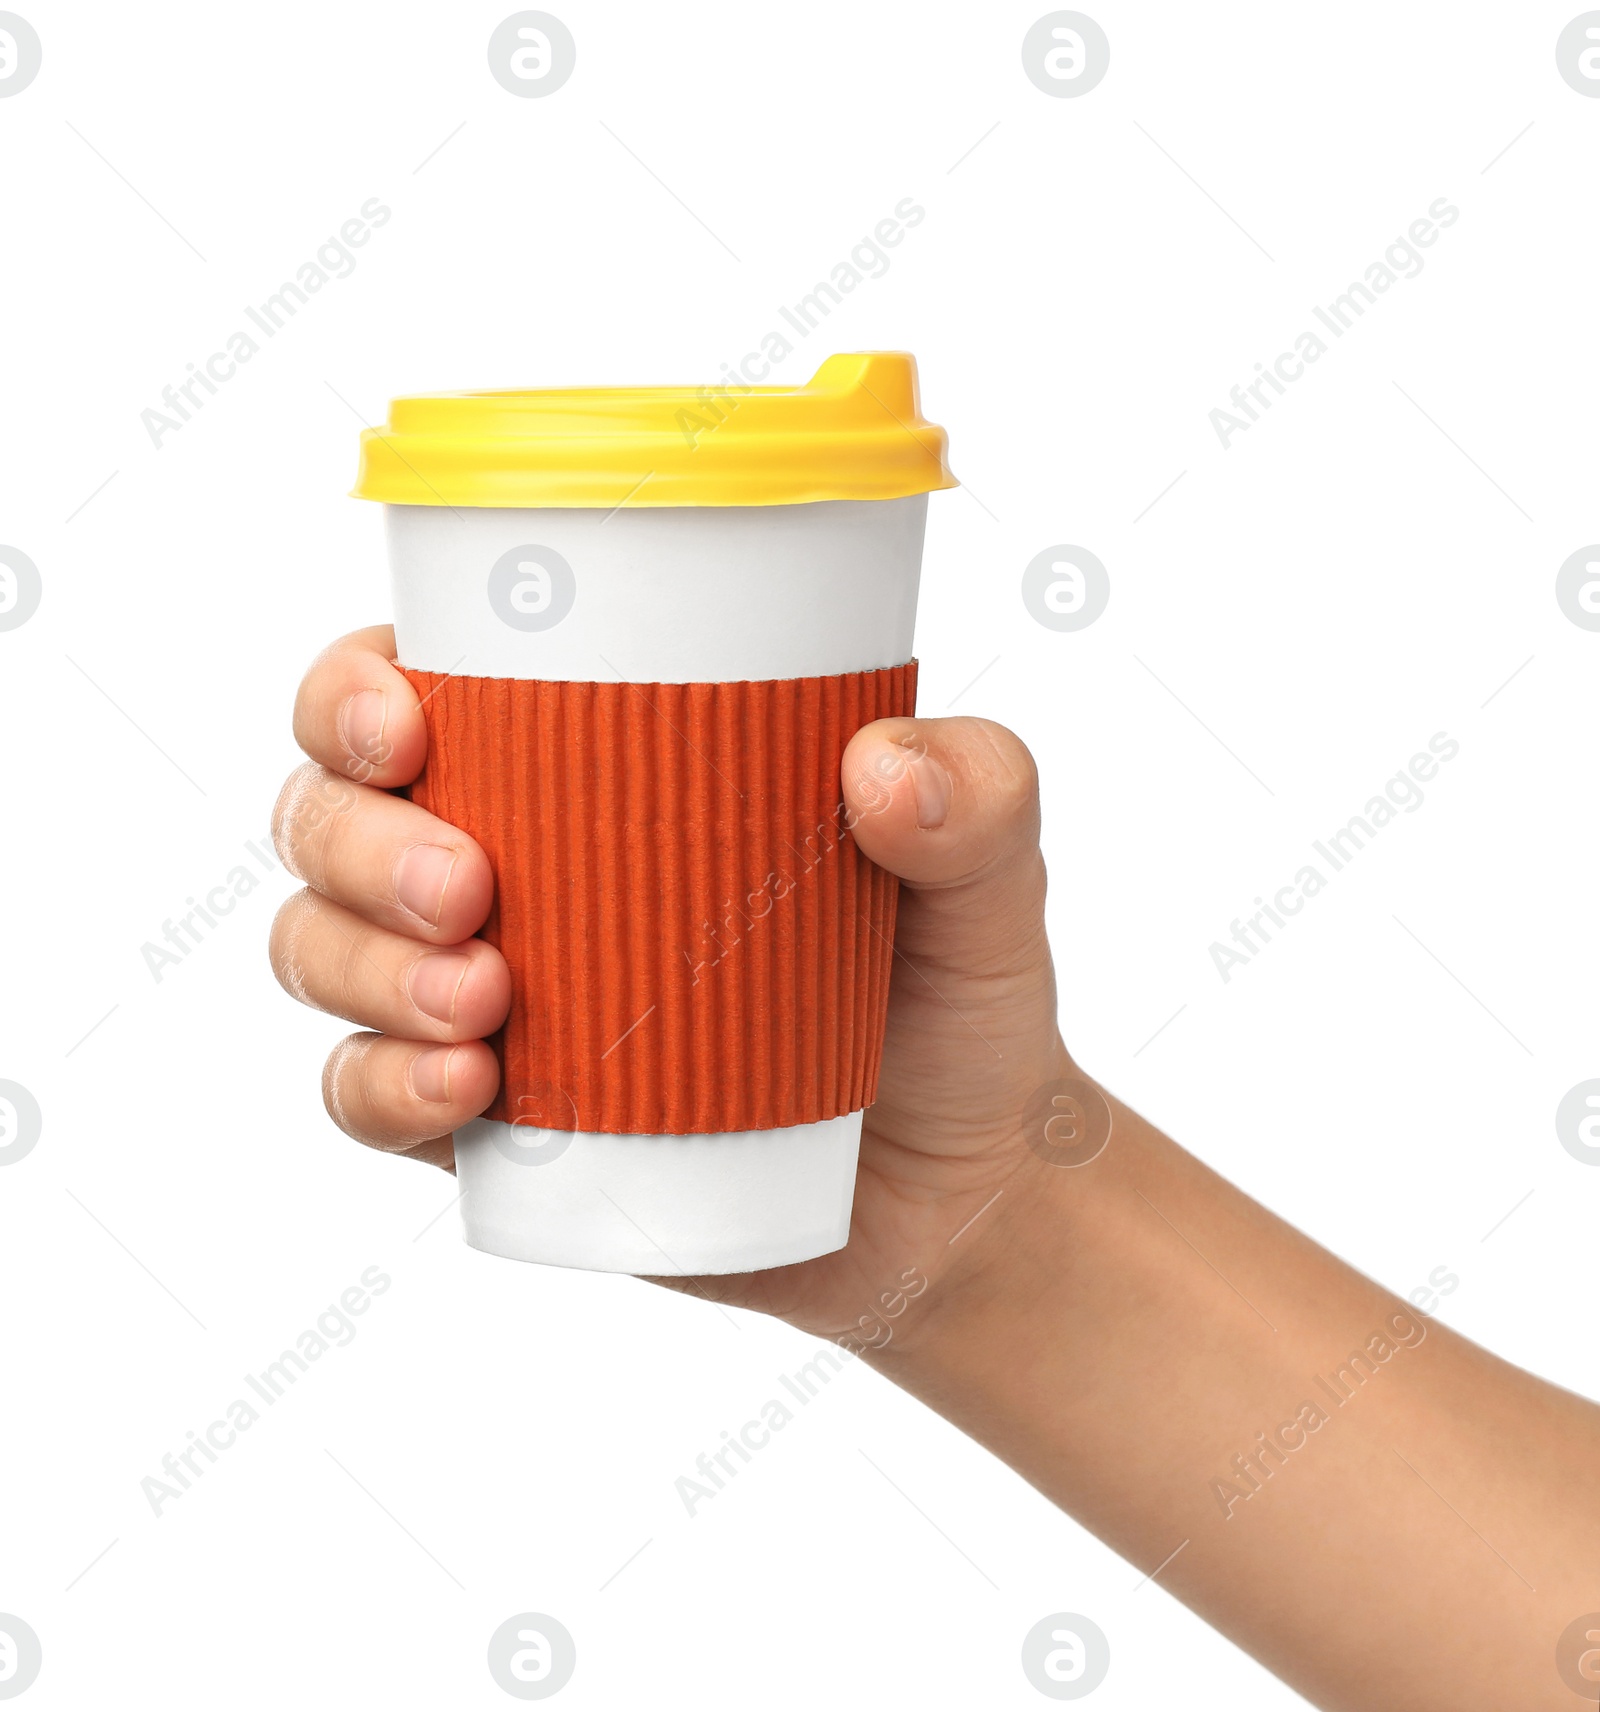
(1339, 585)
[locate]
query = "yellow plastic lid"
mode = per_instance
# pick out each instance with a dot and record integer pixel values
(855, 430)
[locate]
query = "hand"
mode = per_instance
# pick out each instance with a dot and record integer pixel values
(1153, 1350)
(382, 936)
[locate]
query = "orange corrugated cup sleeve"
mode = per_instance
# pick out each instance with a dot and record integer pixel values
(696, 943)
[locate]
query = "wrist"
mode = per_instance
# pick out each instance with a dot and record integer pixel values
(1039, 1215)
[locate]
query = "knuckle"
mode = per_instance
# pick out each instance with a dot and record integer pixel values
(311, 811)
(342, 1087)
(286, 817)
(1015, 773)
(286, 946)
(349, 976)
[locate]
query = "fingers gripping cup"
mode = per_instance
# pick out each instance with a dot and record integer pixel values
(643, 625)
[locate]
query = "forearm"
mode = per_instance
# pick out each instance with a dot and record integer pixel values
(1411, 1530)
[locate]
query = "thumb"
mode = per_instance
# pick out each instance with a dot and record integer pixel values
(952, 807)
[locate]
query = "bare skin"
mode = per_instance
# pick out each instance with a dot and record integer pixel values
(1415, 1531)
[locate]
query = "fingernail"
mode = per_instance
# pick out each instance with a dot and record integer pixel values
(932, 784)
(434, 982)
(429, 1074)
(361, 723)
(420, 878)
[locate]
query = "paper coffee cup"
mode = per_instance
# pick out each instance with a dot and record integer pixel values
(644, 623)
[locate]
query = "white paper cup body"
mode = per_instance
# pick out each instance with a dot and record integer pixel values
(713, 594)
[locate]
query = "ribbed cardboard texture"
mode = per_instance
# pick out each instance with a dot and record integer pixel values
(696, 944)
